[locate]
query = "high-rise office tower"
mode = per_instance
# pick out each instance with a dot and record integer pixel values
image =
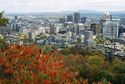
(62, 20)
(121, 26)
(95, 27)
(121, 30)
(79, 28)
(107, 16)
(77, 17)
(15, 27)
(69, 18)
(52, 29)
(88, 36)
(122, 21)
(111, 17)
(83, 19)
(110, 29)
(88, 39)
(16, 17)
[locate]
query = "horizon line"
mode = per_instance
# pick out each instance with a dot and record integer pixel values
(67, 11)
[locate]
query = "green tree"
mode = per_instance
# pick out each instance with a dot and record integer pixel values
(118, 68)
(2, 43)
(3, 20)
(99, 40)
(79, 40)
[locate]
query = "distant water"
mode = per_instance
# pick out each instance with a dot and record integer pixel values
(99, 15)
(92, 14)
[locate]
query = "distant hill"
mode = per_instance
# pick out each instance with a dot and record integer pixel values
(63, 13)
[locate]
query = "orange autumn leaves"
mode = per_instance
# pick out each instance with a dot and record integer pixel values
(27, 64)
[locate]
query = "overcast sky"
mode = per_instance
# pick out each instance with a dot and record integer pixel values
(11, 6)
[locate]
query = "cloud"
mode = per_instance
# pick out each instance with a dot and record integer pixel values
(60, 5)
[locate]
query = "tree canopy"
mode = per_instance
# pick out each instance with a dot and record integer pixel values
(3, 20)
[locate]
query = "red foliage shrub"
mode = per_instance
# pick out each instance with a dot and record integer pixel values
(27, 64)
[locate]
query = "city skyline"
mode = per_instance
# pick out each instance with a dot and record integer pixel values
(26, 6)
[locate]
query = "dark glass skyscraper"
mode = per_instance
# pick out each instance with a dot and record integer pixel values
(69, 18)
(121, 30)
(83, 19)
(122, 21)
(77, 17)
(95, 27)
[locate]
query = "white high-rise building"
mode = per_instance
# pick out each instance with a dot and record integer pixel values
(80, 28)
(88, 36)
(107, 16)
(110, 29)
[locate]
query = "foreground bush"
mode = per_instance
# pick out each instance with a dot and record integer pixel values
(27, 65)
(94, 66)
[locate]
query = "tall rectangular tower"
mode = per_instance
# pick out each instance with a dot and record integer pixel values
(77, 17)
(110, 29)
